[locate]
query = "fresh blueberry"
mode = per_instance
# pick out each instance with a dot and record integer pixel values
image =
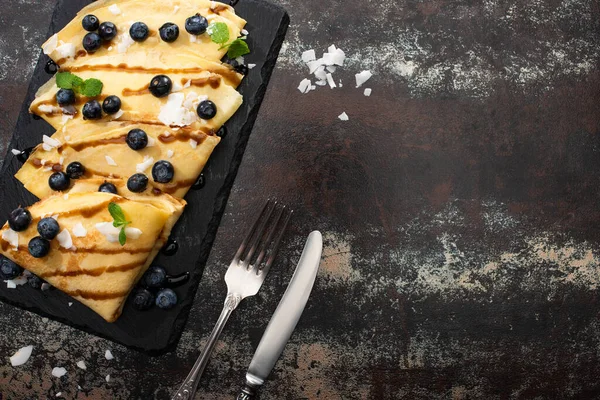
(75, 170)
(39, 247)
(107, 31)
(35, 281)
(155, 277)
(90, 23)
(207, 109)
(139, 31)
(162, 171)
(48, 228)
(137, 183)
(108, 187)
(92, 110)
(137, 139)
(143, 299)
(196, 24)
(65, 97)
(111, 104)
(166, 298)
(222, 132)
(19, 219)
(8, 269)
(169, 32)
(59, 181)
(160, 85)
(237, 67)
(92, 42)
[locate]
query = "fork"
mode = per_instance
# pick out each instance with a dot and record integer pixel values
(244, 278)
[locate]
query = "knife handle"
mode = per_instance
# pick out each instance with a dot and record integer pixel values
(249, 392)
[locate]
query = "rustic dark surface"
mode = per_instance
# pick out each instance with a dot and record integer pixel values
(459, 206)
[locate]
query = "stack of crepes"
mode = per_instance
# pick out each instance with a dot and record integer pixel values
(91, 265)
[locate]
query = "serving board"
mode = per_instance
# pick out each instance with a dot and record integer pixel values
(155, 331)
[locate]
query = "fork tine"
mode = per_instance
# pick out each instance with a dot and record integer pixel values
(242, 247)
(271, 258)
(258, 235)
(265, 243)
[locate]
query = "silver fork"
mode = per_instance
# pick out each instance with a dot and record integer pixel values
(244, 278)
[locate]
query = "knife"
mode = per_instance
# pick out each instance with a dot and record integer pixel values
(284, 318)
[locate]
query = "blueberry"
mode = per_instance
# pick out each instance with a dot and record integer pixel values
(160, 85)
(137, 139)
(92, 110)
(166, 298)
(35, 281)
(137, 183)
(75, 170)
(207, 109)
(65, 97)
(222, 132)
(143, 299)
(111, 104)
(107, 31)
(237, 67)
(8, 269)
(169, 32)
(139, 31)
(162, 171)
(19, 219)
(90, 23)
(48, 228)
(108, 187)
(59, 181)
(196, 24)
(39, 247)
(92, 42)
(155, 277)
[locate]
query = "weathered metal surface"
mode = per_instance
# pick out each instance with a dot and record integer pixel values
(459, 206)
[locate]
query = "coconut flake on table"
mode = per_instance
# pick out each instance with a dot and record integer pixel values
(250, 66)
(58, 394)
(314, 65)
(114, 9)
(13, 283)
(21, 356)
(330, 81)
(11, 237)
(362, 77)
(309, 55)
(59, 371)
(81, 364)
(79, 230)
(321, 83)
(108, 355)
(110, 161)
(367, 92)
(107, 378)
(304, 86)
(170, 153)
(45, 286)
(193, 143)
(144, 165)
(64, 239)
(16, 152)
(320, 73)
(244, 32)
(240, 59)
(343, 116)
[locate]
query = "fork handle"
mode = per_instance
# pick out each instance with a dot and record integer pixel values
(188, 388)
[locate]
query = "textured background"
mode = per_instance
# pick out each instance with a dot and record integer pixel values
(458, 205)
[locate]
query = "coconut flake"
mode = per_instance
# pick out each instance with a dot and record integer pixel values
(124, 43)
(66, 196)
(64, 239)
(118, 114)
(244, 32)
(338, 57)
(367, 92)
(321, 83)
(66, 50)
(13, 283)
(45, 286)
(59, 371)
(107, 378)
(362, 77)
(110, 48)
(331, 68)
(58, 394)
(151, 142)
(330, 81)
(313, 65)
(170, 153)
(70, 303)
(193, 39)
(11, 237)
(176, 9)
(174, 113)
(108, 355)
(50, 142)
(10, 284)
(47, 109)
(309, 55)
(112, 234)
(343, 116)
(79, 230)
(114, 9)
(328, 59)
(193, 144)
(304, 86)
(240, 59)
(50, 45)
(81, 364)
(320, 73)
(16, 152)
(110, 161)
(144, 165)
(21, 356)
(61, 160)
(250, 66)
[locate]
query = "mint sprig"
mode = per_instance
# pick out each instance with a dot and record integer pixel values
(219, 33)
(119, 221)
(89, 88)
(237, 48)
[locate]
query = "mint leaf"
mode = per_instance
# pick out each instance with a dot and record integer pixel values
(122, 237)
(64, 80)
(117, 213)
(91, 87)
(76, 83)
(219, 32)
(237, 48)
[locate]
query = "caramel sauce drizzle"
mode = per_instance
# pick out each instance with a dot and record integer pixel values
(90, 295)
(136, 92)
(94, 271)
(214, 81)
(98, 142)
(182, 137)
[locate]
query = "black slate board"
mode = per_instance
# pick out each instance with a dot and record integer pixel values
(155, 331)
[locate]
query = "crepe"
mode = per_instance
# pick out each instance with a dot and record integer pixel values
(66, 48)
(95, 271)
(139, 105)
(187, 150)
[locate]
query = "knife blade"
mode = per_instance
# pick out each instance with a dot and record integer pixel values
(284, 319)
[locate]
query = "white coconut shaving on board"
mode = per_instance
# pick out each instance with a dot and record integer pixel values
(362, 77)
(58, 372)
(343, 116)
(21, 356)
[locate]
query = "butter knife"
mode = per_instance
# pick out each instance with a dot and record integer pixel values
(284, 318)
